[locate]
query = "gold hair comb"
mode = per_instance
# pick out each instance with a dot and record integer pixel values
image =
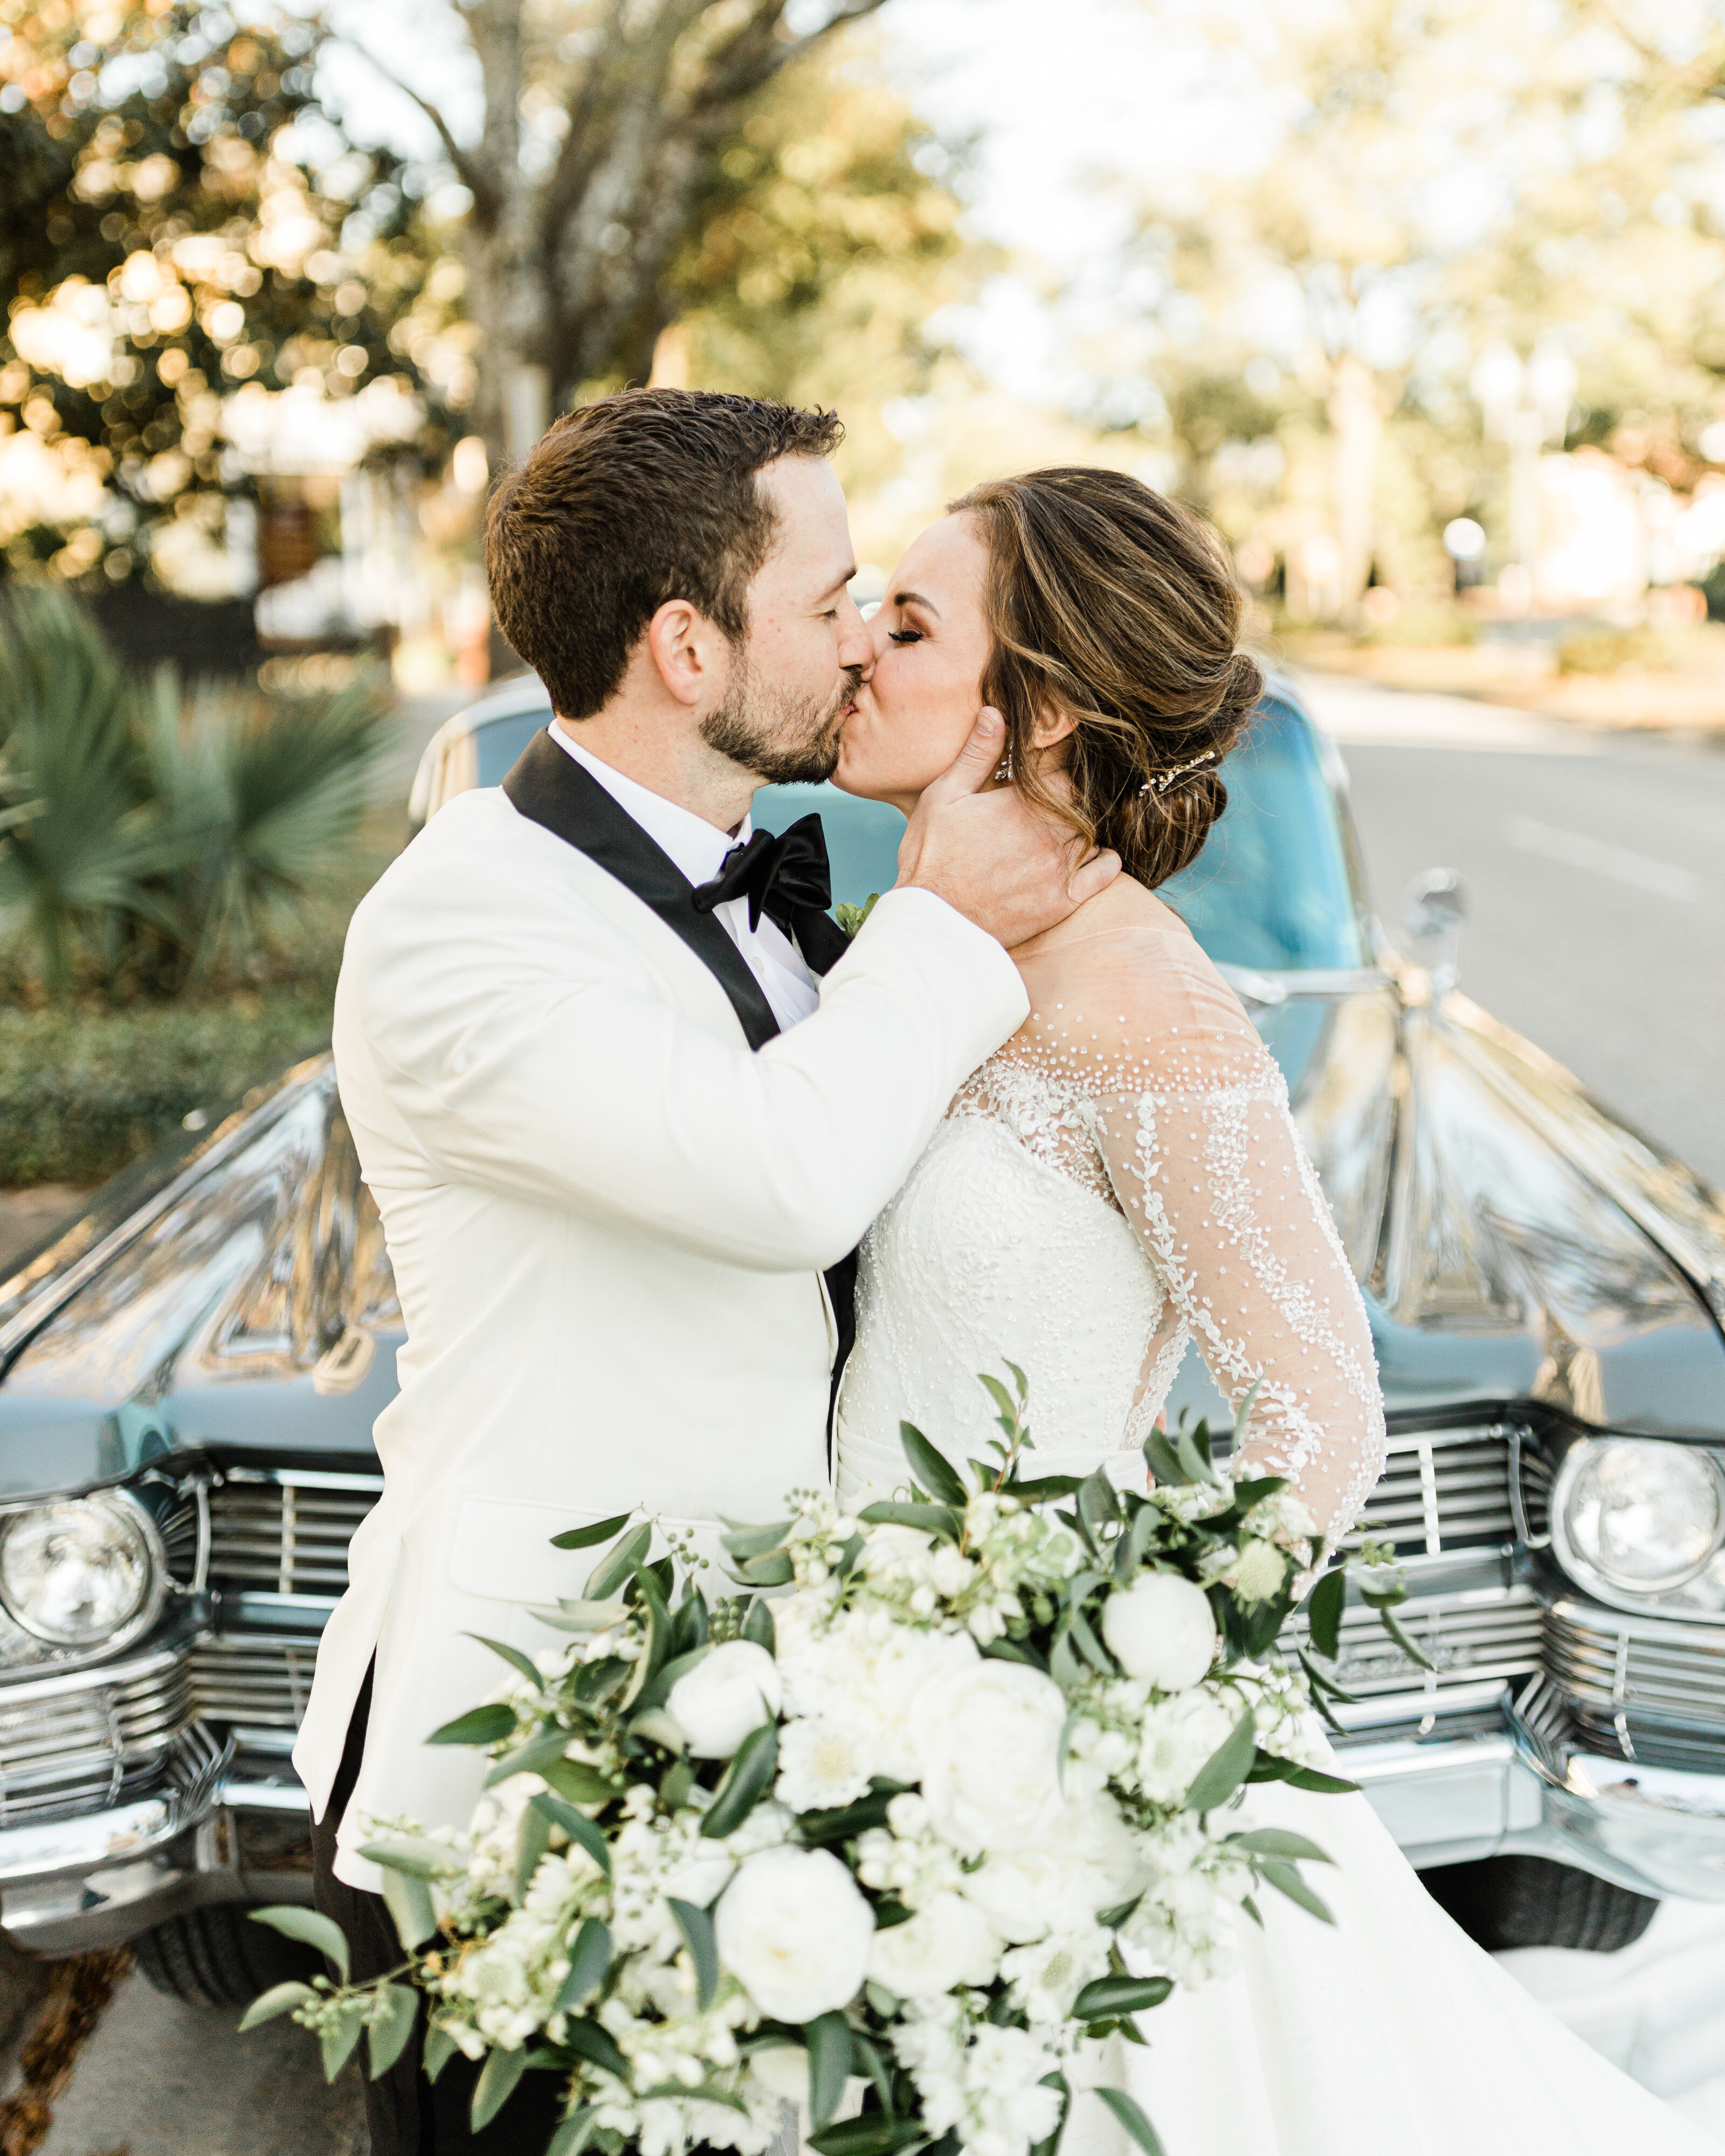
(1164, 779)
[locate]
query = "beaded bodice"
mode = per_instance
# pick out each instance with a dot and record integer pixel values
(1121, 1179)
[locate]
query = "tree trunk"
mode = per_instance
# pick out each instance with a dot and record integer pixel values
(1356, 418)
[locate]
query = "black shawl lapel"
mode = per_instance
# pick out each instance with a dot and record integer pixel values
(547, 784)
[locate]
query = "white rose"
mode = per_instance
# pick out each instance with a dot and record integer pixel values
(949, 1943)
(1161, 1628)
(794, 1931)
(1090, 1862)
(728, 1694)
(1177, 1737)
(987, 1737)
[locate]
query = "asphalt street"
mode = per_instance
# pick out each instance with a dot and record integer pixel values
(1595, 867)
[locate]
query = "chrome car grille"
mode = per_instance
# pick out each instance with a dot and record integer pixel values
(68, 1745)
(1442, 1490)
(1647, 1689)
(1479, 1640)
(254, 1685)
(287, 1534)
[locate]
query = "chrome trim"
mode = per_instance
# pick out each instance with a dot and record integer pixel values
(239, 1129)
(303, 1478)
(157, 1662)
(1267, 987)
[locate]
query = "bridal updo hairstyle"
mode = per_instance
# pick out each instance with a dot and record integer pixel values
(1113, 604)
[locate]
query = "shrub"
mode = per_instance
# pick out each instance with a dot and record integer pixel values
(84, 1094)
(147, 844)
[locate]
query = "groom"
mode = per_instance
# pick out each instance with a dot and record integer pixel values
(623, 1097)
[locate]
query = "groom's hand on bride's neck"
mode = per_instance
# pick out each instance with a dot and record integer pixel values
(987, 853)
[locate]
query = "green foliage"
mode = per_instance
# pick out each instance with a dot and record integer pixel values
(146, 846)
(155, 203)
(83, 1094)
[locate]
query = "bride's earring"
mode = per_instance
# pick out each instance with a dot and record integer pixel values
(1003, 770)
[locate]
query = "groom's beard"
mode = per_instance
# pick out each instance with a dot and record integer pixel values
(783, 739)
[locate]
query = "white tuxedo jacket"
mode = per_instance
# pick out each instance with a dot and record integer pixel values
(607, 1217)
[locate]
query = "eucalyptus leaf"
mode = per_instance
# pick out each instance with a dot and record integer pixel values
(1193, 1447)
(1164, 1463)
(875, 2134)
(657, 1727)
(758, 1626)
(480, 1726)
(1043, 1489)
(932, 1468)
(532, 1757)
(416, 1854)
(387, 2037)
(588, 1964)
(932, 1519)
(531, 1841)
(828, 2038)
(495, 2086)
(440, 2048)
(1386, 1618)
(409, 1902)
(756, 1541)
(311, 1929)
(1280, 1841)
(577, 2130)
(513, 1656)
(556, 1811)
(773, 1570)
(1097, 1500)
(601, 1531)
(338, 2037)
(656, 1693)
(1109, 1996)
(280, 1999)
(579, 1783)
(1226, 1768)
(1133, 2120)
(1323, 1613)
(696, 1926)
(1286, 1880)
(745, 1780)
(610, 1573)
(595, 2045)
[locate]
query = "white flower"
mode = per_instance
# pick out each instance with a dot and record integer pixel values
(821, 1764)
(728, 1694)
(794, 1931)
(1090, 1861)
(946, 1943)
(1160, 1628)
(1178, 1735)
(1046, 1978)
(783, 2070)
(986, 1737)
(1259, 1575)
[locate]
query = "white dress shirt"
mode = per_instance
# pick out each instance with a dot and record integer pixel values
(699, 848)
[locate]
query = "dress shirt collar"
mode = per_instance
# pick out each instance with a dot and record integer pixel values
(697, 847)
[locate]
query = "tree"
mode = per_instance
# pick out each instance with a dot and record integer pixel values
(1435, 176)
(177, 218)
(607, 125)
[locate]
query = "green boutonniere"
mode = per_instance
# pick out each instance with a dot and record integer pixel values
(851, 917)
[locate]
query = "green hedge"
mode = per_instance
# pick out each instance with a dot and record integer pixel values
(84, 1094)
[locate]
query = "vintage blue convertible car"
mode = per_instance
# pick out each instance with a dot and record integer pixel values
(189, 1372)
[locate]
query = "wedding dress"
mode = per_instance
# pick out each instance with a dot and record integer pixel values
(1123, 1176)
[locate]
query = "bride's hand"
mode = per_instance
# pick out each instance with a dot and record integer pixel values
(992, 857)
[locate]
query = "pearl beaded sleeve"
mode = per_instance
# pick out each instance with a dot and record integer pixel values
(1139, 1075)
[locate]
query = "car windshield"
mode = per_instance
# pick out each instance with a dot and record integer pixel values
(1272, 888)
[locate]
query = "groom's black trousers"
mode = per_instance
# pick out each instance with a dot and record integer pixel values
(407, 2114)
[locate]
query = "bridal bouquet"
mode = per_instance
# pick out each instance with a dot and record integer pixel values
(904, 1843)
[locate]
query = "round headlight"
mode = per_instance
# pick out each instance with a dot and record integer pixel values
(1647, 1514)
(78, 1572)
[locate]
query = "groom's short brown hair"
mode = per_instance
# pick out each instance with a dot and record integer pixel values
(627, 502)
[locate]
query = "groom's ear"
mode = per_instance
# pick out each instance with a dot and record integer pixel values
(680, 643)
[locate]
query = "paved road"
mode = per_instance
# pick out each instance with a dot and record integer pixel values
(1595, 866)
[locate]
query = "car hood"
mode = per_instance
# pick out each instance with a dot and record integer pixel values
(1515, 1241)
(245, 1305)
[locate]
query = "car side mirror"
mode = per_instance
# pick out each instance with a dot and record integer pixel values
(1433, 912)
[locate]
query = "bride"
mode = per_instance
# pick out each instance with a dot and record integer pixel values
(1122, 1177)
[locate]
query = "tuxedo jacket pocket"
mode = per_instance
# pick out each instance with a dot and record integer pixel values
(503, 1549)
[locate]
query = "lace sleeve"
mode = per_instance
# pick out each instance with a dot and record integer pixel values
(1194, 1128)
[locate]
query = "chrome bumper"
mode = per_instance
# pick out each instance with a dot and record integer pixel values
(1655, 1831)
(71, 1885)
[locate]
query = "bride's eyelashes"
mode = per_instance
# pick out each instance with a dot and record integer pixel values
(903, 635)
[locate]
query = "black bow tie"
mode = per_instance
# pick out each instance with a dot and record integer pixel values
(784, 876)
